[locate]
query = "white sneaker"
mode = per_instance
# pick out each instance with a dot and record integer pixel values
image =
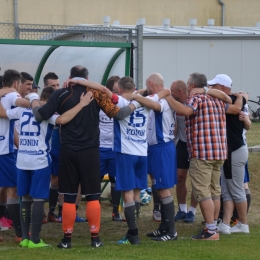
(240, 228)
(157, 216)
(223, 228)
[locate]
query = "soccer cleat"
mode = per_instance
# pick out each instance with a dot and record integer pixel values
(17, 239)
(79, 219)
(3, 228)
(155, 233)
(116, 217)
(95, 242)
(190, 217)
(44, 219)
(38, 245)
(24, 243)
(157, 216)
(52, 218)
(5, 222)
(223, 228)
(165, 237)
(65, 245)
(181, 215)
(206, 235)
(129, 240)
(240, 228)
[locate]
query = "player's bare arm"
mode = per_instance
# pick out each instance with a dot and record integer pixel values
(179, 107)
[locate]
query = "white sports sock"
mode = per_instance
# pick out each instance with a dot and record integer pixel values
(211, 227)
(183, 207)
(192, 209)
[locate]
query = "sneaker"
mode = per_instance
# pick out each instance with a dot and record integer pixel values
(52, 218)
(181, 215)
(79, 219)
(60, 219)
(24, 243)
(129, 239)
(190, 217)
(165, 237)
(64, 245)
(5, 222)
(206, 235)
(3, 228)
(38, 245)
(157, 216)
(223, 228)
(240, 228)
(17, 239)
(116, 217)
(156, 233)
(44, 219)
(95, 242)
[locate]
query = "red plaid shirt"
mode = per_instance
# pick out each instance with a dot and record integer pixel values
(206, 128)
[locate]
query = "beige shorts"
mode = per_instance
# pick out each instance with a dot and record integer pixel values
(205, 179)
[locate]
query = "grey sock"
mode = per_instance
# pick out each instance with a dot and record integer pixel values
(168, 209)
(37, 214)
(13, 208)
(25, 213)
(130, 215)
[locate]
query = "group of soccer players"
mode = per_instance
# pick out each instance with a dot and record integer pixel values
(94, 130)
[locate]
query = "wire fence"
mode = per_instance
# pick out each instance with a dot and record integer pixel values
(61, 33)
(80, 33)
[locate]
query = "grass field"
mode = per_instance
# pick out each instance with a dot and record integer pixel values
(235, 246)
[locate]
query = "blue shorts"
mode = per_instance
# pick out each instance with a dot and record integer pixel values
(36, 183)
(162, 165)
(131, 172)
(55, 157)
(246, 178)
(107, 162)
(8, 170)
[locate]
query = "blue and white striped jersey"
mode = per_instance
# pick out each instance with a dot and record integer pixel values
(130, 134)
(7, 126)
(161, 124)
(34, 141)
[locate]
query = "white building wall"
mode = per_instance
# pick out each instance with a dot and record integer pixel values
(178, 58)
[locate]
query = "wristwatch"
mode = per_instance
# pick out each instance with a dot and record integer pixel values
(206, 90)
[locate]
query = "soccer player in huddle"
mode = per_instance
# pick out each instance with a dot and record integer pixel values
(8, 176)
(33, 163)
(130, 146)
(107, 155)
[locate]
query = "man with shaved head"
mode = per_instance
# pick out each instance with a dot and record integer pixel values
(162, 159)
(179, 93)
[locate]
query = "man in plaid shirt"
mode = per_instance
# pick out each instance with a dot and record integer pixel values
(206, 141)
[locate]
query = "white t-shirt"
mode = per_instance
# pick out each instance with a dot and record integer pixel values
(106, 127)
(131, 133)
(245, 110)
(161, 124)
(34, 141)
(6, 125)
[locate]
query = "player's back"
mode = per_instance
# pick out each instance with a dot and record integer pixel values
(130, 134)
(34, 141)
